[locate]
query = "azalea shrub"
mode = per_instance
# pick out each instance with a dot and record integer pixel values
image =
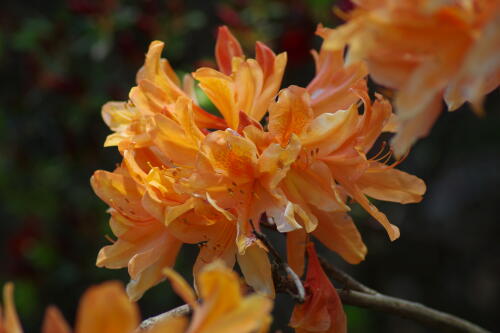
(253, 171)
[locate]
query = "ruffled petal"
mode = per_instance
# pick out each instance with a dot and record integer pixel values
(231, 155)
(291, 114)
(220, 89)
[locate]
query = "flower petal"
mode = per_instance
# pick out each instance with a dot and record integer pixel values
(385, 183)
(296, 242)
(322, 311)
(11, 322)
(220, 89)
(181, 287)
(256, 268)
(226, 48)
(338, 233)
(106, 308)
(251, 315)
(291, 114)
(54, 321)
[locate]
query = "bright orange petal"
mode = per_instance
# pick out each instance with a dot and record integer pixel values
(251, 315)
(221, 91)
(119, 192)
(296, 242)
(220, 290)
(331, 88)
(181, 287)
(275, 162)
(385, 183)
(148, 273)
(356, 193)
(291, 114)
(11, 322)
(54, 321)
(220, 245)
(338, 232)
(226, 48)
(231, 155)
(106, 308)
(256, 269)
(322, 311)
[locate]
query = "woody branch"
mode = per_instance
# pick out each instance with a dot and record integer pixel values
(354, 293)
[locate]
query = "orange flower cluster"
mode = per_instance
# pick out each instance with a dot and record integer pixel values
(191, 177)
(426, 50)
(106, 308)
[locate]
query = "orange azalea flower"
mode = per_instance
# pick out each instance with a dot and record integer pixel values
(425, 49)
(334, 148)
(103, 309)
(180, 183)
(242, 171)
(241, 183)
(223, 308)
(158, 133)
(157, 91)
(322, 311)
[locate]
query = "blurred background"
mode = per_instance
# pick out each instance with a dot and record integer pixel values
(62, 60)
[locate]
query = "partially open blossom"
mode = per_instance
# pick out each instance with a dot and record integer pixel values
(222, 307)
(322, 311)
(242, 85)
(426, 50)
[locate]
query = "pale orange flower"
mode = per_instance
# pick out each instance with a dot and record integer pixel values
(160, 135)
(157, 91)
(334, 148)
(103, 309)
(180, 183)
(322, 310)
(425, 50)
(222, 308)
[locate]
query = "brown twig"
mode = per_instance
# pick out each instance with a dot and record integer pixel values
(354, 293)
(357, 294)
(411, 310)
(348, 281)
(284, 277)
